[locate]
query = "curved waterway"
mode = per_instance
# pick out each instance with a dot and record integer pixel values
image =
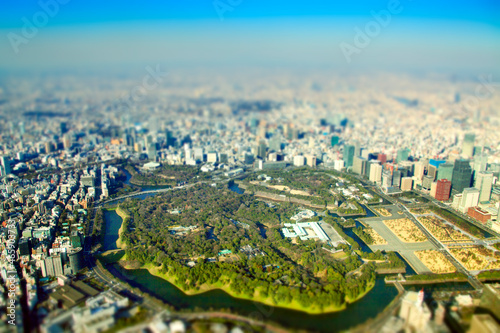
(362, 310)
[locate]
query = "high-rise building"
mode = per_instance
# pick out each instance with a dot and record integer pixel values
(480, 163)
(484, 183)
(375, 172)
(223, 158)
(403, 155)
(76, 260)
(419, 170)
(349, 155)
(151, 151)
(470, 198)
(261, 149)
(432, 171)
(212, 157)
(443, 190)
(468, 145)
(49, 147)
(275, 143)
(67, 141)
(427, 182)
(386, 179)
(359, 165)
(299, 160)
(311, 160)
(382, 158)
(335, 140)
(53, 265)
(5, 161)
(396, 178)
(357, 148)
(24, 247)
(445, 171)
(462, 175)
(406, 184)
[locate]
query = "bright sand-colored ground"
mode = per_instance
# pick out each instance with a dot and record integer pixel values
(435, 261)
(406, 230)
(383, 211)
(442, 231)
(476, 258)
(377, 239)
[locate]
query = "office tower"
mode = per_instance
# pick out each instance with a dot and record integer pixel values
(295, 134)
(406, 184)
(338, 165)
(445, 171)
(129, 140)
(24, 247)
(169, 138)
(311, 160)
(299, 161)
(470, 198)
(137, 147)
(76, 260)
(53, 265)
(261, 149)
(382, 158)
(5, 161)
(364, 153)
(262, 132)
(335, 140)
(375, 172)
(223, 158)
(403, 155)
(457, 98)
(359, 165)
(405, 171)
(484, 183)
(67, 141)
(432, 171)
(462, 175)
(396, 178)
(480, 163)
(49, 147)
(212, 157)
(427, 182)
(275, 143)
(349, 155)
(443, 190)
(433, 189)
(63, 128)
(151, 151)
(386, 179)
(198, 154)
(357, 148)
(468, 145)
(148, 140)
(248, 158)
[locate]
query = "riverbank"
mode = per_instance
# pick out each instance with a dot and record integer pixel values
(256, 297)
(125, 216)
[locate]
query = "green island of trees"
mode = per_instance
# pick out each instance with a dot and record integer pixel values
(181, 236)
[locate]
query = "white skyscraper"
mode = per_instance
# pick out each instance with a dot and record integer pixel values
(375, 173)
(484, 183)
(470, 198)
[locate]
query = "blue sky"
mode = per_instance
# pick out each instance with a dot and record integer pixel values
(447, 35)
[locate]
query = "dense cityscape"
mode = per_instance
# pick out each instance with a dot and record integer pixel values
(227, 178)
